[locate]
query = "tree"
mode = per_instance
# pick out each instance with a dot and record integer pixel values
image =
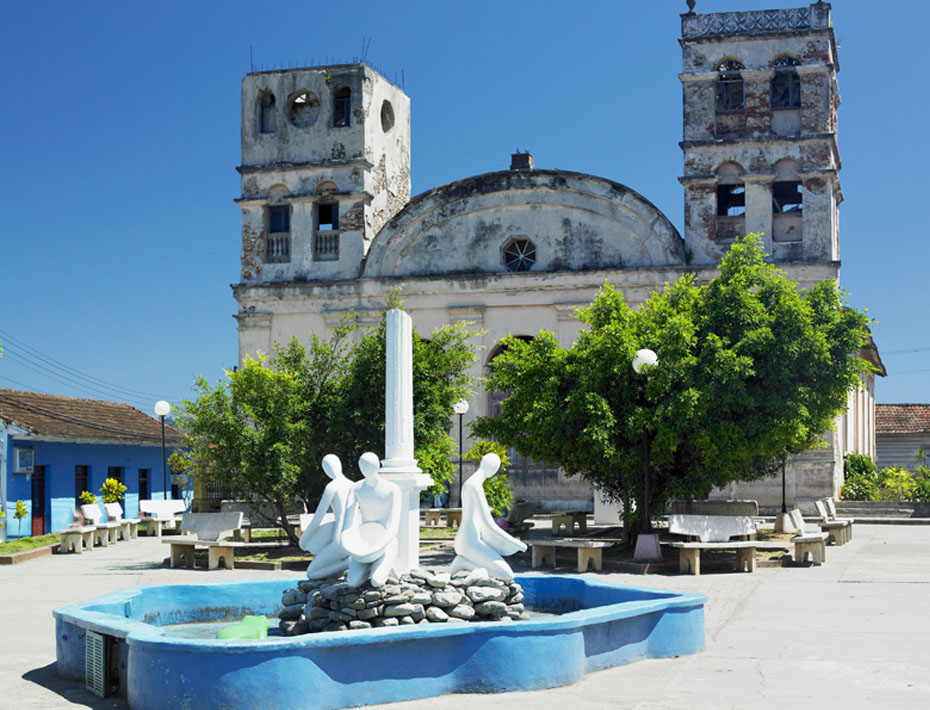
(264, 432)
(750, 370)
(497, 488)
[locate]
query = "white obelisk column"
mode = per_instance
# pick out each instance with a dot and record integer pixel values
(398, 464)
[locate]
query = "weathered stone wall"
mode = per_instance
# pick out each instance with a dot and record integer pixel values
(420, 597)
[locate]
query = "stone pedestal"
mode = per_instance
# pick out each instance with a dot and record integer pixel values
(783, 524)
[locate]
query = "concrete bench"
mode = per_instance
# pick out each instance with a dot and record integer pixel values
(810, 542)
(77, 536)
(158, 514)
(589, 551)
(569, 519)
(839, 529)
(715, 533)
(103, 533)
(129, 527)
(434, 517)
(210, 529)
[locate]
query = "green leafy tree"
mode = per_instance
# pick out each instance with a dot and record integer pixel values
(21, 512)
(750, 370)
(264, 432)
(112, 491)
(497, 488)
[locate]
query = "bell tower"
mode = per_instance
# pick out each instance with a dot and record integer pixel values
(760, 150)
(325, 164)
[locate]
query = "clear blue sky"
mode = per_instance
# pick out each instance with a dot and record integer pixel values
(119, 137)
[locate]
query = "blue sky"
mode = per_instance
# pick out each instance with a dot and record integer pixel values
(120, 136)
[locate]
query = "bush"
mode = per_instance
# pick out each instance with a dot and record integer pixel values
(922, 483)
(21, 512)
(87, 498)
(896, 484)
(497, 488)
(855, 465)
(112, 491)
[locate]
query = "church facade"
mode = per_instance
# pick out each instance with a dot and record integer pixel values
(329, 227)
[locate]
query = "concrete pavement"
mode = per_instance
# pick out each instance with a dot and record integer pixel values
(854, 633)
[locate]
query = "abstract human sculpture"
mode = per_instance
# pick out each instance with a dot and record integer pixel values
(323, 536)
(371, 523)
(480, 542)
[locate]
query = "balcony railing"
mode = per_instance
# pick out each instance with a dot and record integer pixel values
(278, 249)
(326, 246)
(754, 22)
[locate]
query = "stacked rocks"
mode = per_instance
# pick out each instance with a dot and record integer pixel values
(419, 597)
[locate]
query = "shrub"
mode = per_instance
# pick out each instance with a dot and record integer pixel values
(21, 512)
(497, 488)
(896, 483)
(112, 491)
(87, 498)
(862, 483)
(922, 483)
(855, 465)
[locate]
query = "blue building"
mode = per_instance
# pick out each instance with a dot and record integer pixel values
(52, 448)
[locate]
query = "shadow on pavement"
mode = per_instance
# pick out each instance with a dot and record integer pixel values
(72, 691)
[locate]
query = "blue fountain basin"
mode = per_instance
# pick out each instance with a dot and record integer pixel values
(598, 625)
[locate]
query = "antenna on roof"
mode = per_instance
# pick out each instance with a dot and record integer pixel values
(251, 63)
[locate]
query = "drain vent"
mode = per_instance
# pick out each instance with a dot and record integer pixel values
(95, 674)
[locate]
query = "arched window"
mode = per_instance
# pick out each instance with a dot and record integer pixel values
(787, 202)
(731, 202)
(266, 115)
(342, 105)
(786, 85)
(729, 87)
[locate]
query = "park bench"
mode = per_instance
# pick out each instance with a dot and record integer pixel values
(209, 529)
(104, 533)
(589, 551)
(516, 523)
(434, 517)
(569, 519)
(714, 533)
(839, 529)
(262, 516)
(810, 540)
(129, 527)
(160, 513)
(77, 536)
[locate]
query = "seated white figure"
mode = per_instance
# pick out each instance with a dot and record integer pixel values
(372, 521)
(323, 536)
(480, 542)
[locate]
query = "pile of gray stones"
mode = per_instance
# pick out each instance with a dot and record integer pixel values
(419, 597)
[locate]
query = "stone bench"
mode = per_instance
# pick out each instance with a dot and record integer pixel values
(158, 514)
(434, 517)
(589, 551)
(715, 533)
(79, 537)
(210, 529)
(103, 533)
(810, 540)
(569, 519)
(839, 529)
(129, 527)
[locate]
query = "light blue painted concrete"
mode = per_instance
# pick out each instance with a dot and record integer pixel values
(600, 625)
(59, 459)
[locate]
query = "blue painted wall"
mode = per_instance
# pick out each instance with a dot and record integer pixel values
(59, 459)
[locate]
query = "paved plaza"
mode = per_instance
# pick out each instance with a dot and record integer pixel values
(854, 633)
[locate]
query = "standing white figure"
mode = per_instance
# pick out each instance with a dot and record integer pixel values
(323, 536)
(480, 542)
(372, 520)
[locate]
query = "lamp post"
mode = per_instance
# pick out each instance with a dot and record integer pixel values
(162, 408)
(782, 521)
(647, 543)
(460, 408)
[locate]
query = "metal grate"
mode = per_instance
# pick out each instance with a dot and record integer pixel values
(95, 663)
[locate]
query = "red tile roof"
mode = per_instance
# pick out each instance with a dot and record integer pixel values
(902, 418)
(49, 415)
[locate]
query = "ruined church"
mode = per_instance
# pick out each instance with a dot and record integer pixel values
(329, 226)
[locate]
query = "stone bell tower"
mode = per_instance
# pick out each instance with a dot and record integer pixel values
(760, 150)
(325, 163)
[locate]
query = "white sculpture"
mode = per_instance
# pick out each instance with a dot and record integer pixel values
(323, 536)
(371, 524)
(480, 542)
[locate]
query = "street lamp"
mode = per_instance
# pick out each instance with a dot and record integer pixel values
(647, 544)
(162, 408)
(782, 520)
(460, 408)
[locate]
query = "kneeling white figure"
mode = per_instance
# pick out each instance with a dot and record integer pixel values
(372, 522)
(323, 536)
(480, 542)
